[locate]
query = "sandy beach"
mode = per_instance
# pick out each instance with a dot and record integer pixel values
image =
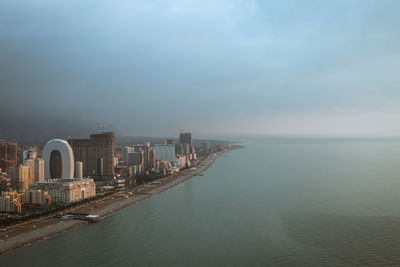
(24, 234)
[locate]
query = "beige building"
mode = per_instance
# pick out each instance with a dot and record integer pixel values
(39, 169)
(181, 160)
(66, 190)
(30, 163)
(20, 177)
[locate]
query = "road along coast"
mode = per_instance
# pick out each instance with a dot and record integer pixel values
(27, 233)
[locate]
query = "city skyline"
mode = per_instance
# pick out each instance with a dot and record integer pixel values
(214, 67)
(199, 133)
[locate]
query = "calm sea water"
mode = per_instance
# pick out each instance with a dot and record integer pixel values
(278, 202)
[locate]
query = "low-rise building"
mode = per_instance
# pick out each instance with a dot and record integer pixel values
(123, 171)
(11, 202)
(78, 169)
(67, 190)
(164, 165)
(37, 197)
(181, 161)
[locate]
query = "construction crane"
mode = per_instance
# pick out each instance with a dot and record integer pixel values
(103, 126)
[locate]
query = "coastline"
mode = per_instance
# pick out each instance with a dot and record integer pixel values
(25, 234)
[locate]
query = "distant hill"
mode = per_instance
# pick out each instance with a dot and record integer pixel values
(38, 132)
(131, 140)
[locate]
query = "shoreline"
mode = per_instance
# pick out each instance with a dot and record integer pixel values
(25, 234)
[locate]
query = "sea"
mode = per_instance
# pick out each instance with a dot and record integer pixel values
(279, 201)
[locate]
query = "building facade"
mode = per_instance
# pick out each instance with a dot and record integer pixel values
(78, 169)
(165, 152)
(67, 190)
(30, 153)
(125, 151)
(37, 197)
(11, 202)
(179, 149)
(58, 159)
(30, 163)
(39, 169)
(19, 177)
(186, 140)
(8, 154)
(135, 158)
(90, 151)
(36, 169)
(181, 161)
(146, 154)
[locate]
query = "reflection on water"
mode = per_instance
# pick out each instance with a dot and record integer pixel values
(354, 240)
(279, 202)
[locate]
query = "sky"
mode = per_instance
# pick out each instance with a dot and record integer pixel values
(153, 68)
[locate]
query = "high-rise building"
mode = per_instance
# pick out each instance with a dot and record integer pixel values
(19, 177)
(146, 165)
(90, 151)
(29, 154)
(152, 159)
(82, 150)
(8, 154)
(148, 160)
(186, 140)
(142, 149)
(36, 169)
(39, 170)
(186, 149)
(135, 158)
(125, 151)
(165, 152)
(31, 164)
(118, 153)
(179, 149)
(103, 146)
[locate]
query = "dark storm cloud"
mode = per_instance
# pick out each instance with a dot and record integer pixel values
(155, 67)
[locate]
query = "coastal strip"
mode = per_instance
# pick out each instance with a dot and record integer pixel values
(25, 234)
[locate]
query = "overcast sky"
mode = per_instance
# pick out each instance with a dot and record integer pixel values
(213, 67)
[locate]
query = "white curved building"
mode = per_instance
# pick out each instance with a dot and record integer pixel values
(58, 159)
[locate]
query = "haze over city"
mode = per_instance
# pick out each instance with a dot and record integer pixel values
(214, 67)
(199, 133)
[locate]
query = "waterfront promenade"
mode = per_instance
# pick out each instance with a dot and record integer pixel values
(24, 234)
